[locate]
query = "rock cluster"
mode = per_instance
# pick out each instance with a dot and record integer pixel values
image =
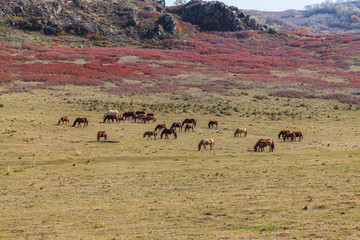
(216, 16)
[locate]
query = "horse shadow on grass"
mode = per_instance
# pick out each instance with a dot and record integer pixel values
(103, 141)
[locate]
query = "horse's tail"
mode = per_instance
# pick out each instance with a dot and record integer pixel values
(245, 133)
(86, 122)
(175, 135)
(98, 136)
(194, 123)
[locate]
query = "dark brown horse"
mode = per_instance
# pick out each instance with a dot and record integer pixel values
(212, 123)
(160, 126)
(140, 112)
(139, 117)
(290, 136)
(168, 131)
(101, 134)
(149, 118)
(79, 121)
(109, 117)
(299, 135)
(128, 115)
(282, 133)
(176, 125)
(189, 126)
(189, 120)
(64, 120)
(150, 115)
(149, 134)
(262, 143)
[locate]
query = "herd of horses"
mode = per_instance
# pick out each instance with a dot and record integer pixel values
(188, 124)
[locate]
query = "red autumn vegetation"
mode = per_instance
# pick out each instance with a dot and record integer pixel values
(223, 61)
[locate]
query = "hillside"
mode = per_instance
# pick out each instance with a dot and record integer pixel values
(113, 22)
(326, 18)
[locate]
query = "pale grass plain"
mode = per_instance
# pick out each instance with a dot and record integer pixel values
(57, 182)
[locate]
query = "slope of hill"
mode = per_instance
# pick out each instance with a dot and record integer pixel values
(325, 18)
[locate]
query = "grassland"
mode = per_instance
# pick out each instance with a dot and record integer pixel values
(58, 182)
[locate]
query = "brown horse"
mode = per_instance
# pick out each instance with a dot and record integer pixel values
(128, 115)
(290, 136)
(101, 134)
(262, 143)
(119, 118)
(81, 120)
(160, 126)
(189, 120)
(149, 134)
(149, 118)
(299, 135)
(189, 126)
(168, 131)
(177, 125)
(140, 113)
(109, 117)
(139, 117)
(282, 133)
(64, 120)
(240, 131)
(205, 142)
(150, 115)
(212, 123)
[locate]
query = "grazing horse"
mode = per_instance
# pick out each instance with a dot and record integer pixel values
(212, 123)
(205, 142)
(139, 117)
(188, 120)
(64, 120)
(140, 112)
(282, 133)
(299, 135)
(111, 117)
(149, 134)
(101, 134)
(160, 126)
(81, 120)
(262, 143)
(168, 131)
(177, 125)
(128, 115)
(189, 126)
(149, 118)
(119, 117)
(240, 131)
(111, 112)
(291, 136)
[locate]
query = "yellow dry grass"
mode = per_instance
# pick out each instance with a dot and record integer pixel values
(58, 182)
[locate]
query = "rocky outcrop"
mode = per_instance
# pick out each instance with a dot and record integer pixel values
(216, 16)
(106, 19)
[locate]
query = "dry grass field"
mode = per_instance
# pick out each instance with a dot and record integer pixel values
(58, 182)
